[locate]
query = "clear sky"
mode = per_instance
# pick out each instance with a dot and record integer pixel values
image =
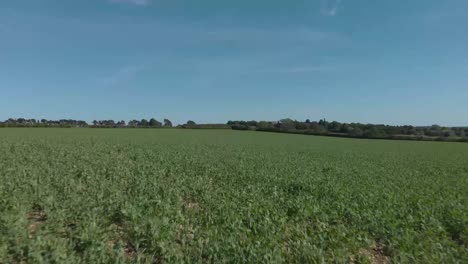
(388, 61)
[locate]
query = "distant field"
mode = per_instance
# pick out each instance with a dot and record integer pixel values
(171, 196)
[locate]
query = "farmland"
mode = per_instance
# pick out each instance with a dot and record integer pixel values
(171, 196)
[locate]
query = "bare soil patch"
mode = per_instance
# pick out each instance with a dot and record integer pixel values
(36, 217)
(376, 254)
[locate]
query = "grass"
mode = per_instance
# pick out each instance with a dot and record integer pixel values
(172, 196)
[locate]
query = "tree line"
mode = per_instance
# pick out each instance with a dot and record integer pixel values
(24, 122)
(143, 123)
(355, 130)
(287, 125)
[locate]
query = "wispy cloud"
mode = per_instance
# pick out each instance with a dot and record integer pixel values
(133, 2)
(330, 7)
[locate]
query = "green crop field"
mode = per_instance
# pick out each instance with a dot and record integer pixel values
(172, 196)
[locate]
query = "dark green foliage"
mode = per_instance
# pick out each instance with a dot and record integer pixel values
(287, 125)
(167, 122)
(154, 123)
(22, 122)
(192, 125)
(143, 123)
(205, 126)
(356, 130)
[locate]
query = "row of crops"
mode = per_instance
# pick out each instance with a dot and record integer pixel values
(172, 196)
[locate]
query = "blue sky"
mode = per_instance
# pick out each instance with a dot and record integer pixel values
(395, 62)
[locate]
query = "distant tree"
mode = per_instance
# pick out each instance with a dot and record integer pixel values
(133, 123)
(264, 124)
(334, 126)
(462, 133)
(252, 123)
(143, 123)
(316, 127)
(121, 123)
(345, 128)
(287, 123)
(191, 123)
(324, 123)
(95, 123)
(154, 123)
(82, 123)
(307, 121)
(167, 122)
(357, 132)
(449, 133)
(374, 132)
(301, 125)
